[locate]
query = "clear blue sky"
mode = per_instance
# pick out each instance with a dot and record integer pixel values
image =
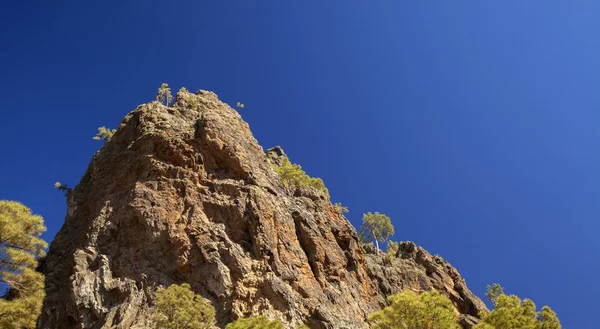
(473, 124)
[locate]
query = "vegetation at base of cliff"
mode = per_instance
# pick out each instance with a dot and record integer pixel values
(292, 175)
(409, 310)
(164, 94)
(104, 134)
(258, 322)
(20, 248)
(255, 322)
(376, 227)
(511, 313)
(177, 307)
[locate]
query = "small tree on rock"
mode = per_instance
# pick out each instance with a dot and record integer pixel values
(376, 227)
(177, 307)
(63, 188)
(164, 94)
(104, 134)
(340, 208)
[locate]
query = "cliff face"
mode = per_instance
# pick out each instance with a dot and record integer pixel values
(186, 194)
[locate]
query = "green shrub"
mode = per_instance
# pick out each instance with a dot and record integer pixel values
(293, 175)
(511, 313)
(409, 310)
(177, 307)
(104, 134)
(391, 250)
(340, 208)
(255, 322)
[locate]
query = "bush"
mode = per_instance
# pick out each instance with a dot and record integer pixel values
(340, 208)
(511, 313)
(391, 250)
(104, 134)
(255, 322)
(409, 310)
(177, 307)
(293, 175)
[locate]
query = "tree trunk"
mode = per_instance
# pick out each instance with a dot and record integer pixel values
(376, 242)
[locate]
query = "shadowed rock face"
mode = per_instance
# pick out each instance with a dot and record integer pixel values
(182, 194)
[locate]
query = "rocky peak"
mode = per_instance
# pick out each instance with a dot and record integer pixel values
(186, 194)
(276, 155)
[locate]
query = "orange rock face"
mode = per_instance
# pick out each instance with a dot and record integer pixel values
(186, 194)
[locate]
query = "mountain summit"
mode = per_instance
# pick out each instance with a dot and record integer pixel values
(185, 194)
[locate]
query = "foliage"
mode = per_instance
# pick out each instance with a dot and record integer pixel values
(63, 188)
(409, 310)
(240, 105)
(376, 227)
(392, 249)
(177, 307)
(493, 292)
(255, 322)
(20, 247)
(340, 208)
(104, 134)
(293, 175)
(164, 94)
(189, 98)
(511, 313)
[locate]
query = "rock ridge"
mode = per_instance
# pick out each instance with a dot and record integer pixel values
(186, 194)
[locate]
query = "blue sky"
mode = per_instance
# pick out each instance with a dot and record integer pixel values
(472, 124)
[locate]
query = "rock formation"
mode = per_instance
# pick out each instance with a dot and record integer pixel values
(186, 194)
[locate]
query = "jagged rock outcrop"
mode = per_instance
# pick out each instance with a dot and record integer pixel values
(186, 194)
(415, 269)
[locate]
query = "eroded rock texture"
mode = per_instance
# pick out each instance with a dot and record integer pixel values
(186, 194)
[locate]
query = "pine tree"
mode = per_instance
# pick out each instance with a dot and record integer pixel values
(164, 94)
(376, 227)
(104, 134)
(409, 310)
(63, 188)
(20, 248)
(340, 208)
(511, 313)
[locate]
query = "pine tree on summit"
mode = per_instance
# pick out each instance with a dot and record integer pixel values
(376, 227)
(164, 94)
